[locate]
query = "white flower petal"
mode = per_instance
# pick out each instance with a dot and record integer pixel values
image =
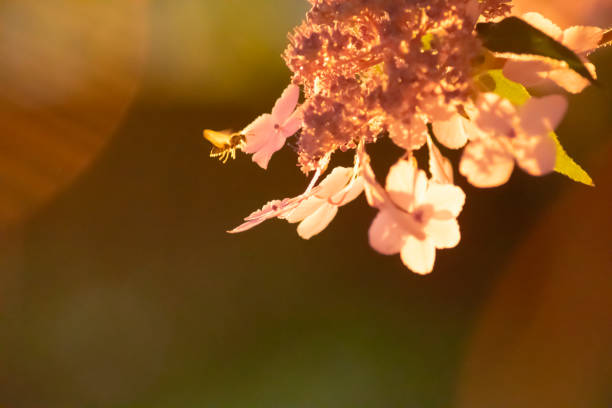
(440, 167)
(536, 155)
(486, 163)
(285, 105)
(334, 182)
(375, 193)
(306, 208)
(402, 181)
(582, 40)
(420, 186)
(540, 116)
(445, 198)
(349, 193)
(418, 255)
(569, 80)
(452, 132)
(317, 222)
(444, 233)
(385, 234)
(527, 72)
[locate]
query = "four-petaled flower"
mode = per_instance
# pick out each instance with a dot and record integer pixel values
(267, 134)
(416, 216)
(315, 208)
(505, 134)
(315, 213)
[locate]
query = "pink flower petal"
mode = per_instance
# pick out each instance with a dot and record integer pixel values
(246, 226)
(582, 40)
(318, 221)
(536, 155)
(543, 24)
(495, 114)
(257, 133)
(418, 255)
(261, 125)
(444, 233)
(452, 133)
(385, 235)
(285, 105)
(274, 142)
(486, 163)
(540, 116)
(272, 209)
(447, 199)
(293, 123)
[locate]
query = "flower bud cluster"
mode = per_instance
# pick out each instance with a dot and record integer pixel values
(369, 67)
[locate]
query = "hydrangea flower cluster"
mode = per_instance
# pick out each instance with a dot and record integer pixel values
(420, 72)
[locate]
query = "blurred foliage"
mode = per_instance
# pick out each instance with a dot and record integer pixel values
(124, 290)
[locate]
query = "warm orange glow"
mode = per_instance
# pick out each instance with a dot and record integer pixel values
(544, 337)
(67, 79)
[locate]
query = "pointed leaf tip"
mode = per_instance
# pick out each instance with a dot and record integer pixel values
(567, 166)
(516, 36)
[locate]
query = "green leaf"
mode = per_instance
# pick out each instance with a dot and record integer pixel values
(567, 166)
(513, 35)
(495, 81)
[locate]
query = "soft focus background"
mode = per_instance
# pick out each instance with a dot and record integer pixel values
(120, 288)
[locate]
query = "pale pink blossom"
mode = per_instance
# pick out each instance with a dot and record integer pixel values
(314, 214)
(536, 71)
(507, 134)
(267, 134)
(315, 208)
(417, 215)
(272, 209)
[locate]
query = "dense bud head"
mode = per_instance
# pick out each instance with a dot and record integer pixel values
(371, 65)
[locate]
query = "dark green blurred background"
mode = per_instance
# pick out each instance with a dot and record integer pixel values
(120, 288)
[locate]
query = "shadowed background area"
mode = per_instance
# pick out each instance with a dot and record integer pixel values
(120, 288)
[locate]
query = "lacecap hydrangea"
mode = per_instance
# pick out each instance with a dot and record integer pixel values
(422, 73)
